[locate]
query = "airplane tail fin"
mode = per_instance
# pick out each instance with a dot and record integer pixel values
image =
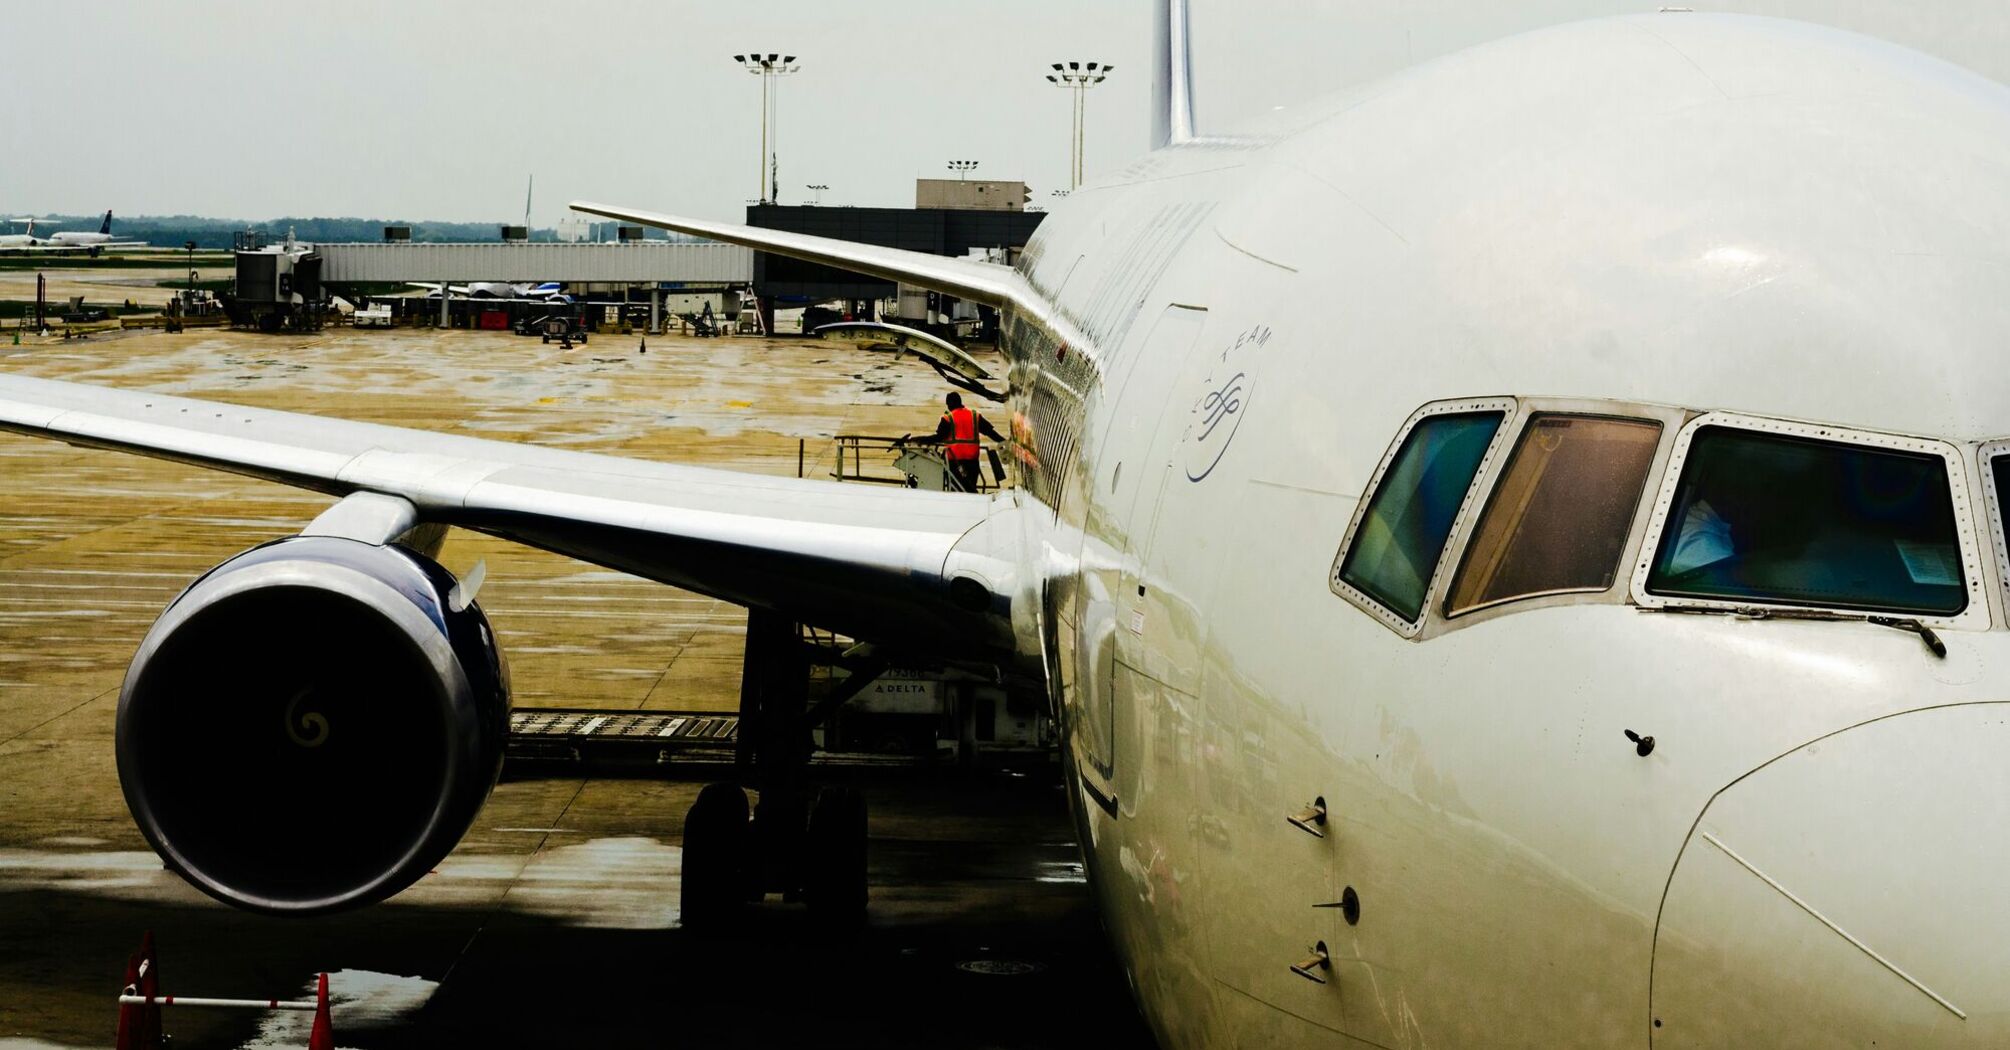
(106, 226)
(1172, 86)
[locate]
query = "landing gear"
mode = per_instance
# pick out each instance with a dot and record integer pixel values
(834, 859)
(809, 852)
(730, 860)
(715, 857)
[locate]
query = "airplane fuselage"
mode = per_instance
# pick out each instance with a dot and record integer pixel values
(1678, 216)
(1516, 551)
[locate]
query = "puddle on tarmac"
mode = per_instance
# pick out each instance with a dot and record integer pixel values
(627, 882)
(358, 1001)
(127, 874)
(621, 882)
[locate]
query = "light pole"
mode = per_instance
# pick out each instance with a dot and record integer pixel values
(962, 167)
(818, 189)
(1077, 77)
(768, 67)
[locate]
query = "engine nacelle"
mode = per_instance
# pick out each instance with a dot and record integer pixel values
(311, 725)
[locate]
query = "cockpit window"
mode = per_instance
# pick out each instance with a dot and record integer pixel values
(1560, 514)
(1999, 474)
(1772, 518)
(1403, 532)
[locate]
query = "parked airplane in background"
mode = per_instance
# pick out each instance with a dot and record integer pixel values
(1516, 551)
(498, 290)
(20, 240)
(101, 239)
(66, 240)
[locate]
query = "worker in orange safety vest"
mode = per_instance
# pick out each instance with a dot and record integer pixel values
(957, 433)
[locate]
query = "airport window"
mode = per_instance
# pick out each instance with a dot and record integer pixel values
(1776, 518)
(1403, 531)
(1560, 514)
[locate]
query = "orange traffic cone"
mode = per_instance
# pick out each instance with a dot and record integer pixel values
(323, 1035)
(129, 1016)
(149, 1036)
(140, 1026)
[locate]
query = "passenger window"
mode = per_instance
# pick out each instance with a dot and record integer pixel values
(1559, 517)
(1776, 518)
(1403, 531)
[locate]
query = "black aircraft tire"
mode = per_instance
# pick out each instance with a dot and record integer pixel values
(834, 875)
(715, 857)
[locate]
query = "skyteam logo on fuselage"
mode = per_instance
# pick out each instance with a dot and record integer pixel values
(1221, 402)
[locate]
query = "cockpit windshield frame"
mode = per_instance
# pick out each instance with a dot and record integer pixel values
(1999, 536)
(1973, 616)
(1508, 408)
(1668, 418)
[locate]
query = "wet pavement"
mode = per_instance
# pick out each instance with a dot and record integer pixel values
(555, 921)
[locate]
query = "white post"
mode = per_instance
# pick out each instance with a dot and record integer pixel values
(1081, 115)
(130, 999)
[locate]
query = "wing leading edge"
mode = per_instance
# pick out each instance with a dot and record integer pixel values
(984, 282)
(902, 568)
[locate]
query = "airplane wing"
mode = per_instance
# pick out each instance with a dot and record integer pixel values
(949, 361)
(989, 283)
(939, 352)
(893, 566)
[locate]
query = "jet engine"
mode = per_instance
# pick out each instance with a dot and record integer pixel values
(313, 724)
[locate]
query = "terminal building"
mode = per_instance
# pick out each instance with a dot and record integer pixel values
(653, 281)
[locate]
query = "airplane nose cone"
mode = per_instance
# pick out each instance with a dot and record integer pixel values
(1854, 891)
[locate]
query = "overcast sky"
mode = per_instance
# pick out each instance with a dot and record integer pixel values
(433, 111)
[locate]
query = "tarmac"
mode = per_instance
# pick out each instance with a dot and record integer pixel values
(109, 285)
(555, 921)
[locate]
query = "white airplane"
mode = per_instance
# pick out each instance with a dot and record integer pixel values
(20, 240)
(1598, 637)
(69, 240)
(101, 239)
(497, 289)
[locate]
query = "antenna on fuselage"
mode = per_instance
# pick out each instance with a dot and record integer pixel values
(1172, 87)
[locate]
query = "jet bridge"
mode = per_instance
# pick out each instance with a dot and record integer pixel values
(677, 264)
(652, 268)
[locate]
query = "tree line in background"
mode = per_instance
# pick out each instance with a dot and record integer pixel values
(173, 231)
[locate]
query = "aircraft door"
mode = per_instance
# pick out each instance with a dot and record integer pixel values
(1125, 462)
